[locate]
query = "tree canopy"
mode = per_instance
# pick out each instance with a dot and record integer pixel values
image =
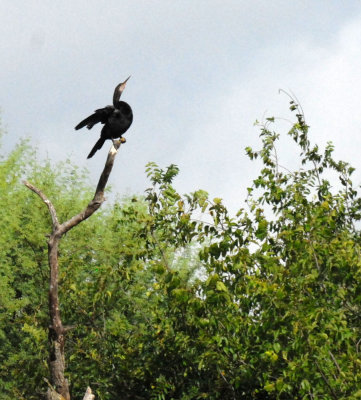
(171, 297)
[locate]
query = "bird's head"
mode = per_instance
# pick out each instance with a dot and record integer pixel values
(118, 91)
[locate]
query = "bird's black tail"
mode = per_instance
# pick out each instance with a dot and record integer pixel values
(98, 145)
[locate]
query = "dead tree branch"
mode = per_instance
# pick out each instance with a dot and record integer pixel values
(56, 329)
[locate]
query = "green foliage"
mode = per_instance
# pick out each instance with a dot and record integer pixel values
(172, 298)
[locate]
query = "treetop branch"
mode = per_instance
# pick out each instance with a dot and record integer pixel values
(56, 329)
(98, 198)
(97, 201)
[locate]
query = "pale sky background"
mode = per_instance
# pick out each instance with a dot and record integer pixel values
(202, 72)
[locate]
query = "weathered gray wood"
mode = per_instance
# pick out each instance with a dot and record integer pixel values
(56, 328)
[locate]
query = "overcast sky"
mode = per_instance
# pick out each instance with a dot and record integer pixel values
(202, 72)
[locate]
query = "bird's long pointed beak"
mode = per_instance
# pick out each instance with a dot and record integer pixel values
(122, 85)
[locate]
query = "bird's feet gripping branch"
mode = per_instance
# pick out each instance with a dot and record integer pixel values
(116, 119)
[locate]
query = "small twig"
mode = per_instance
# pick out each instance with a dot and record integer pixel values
(161, 251)
(358, 345)
(48, 203)
(315, 257)
(231, 386)
(286, 169)
(333, 394)
(276, 160)
(68, 328)
(48, 383)
(335, 362)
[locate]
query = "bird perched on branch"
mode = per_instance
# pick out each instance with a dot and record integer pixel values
(116, 119)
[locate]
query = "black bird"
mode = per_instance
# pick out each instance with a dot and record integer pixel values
(116, 119)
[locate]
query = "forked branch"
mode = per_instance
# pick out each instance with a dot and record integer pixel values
(59, 385)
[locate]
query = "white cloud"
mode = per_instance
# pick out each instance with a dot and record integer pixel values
(202, 72)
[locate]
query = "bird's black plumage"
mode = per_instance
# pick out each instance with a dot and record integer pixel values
(116, 119)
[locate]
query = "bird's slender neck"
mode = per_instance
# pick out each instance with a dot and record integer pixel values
(116, 96)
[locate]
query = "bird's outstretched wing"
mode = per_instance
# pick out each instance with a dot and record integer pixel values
(100, 115)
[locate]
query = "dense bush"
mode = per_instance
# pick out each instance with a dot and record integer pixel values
(173, 298)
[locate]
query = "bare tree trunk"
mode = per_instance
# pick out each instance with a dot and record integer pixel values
(60, 387)
(56, 329)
